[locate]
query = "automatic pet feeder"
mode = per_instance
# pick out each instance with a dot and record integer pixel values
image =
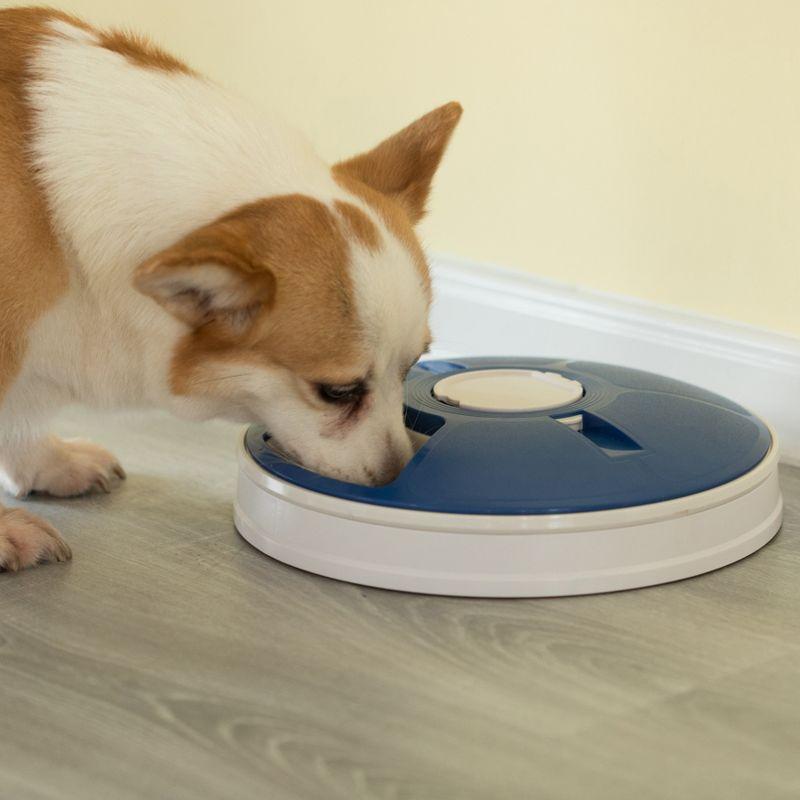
(539, 477)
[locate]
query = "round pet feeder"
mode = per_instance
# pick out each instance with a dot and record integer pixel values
(533, 478)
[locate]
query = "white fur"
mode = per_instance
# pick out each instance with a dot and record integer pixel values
(132, 159)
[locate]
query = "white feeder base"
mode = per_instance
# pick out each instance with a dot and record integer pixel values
(508, 556)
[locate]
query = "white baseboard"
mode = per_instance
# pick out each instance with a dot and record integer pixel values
(485, 310)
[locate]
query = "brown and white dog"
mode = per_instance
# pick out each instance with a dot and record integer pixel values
(163, 246)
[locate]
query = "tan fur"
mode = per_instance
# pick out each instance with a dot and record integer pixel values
(393, 215)
(395, 177)
(359, 225)
(26, 540)
(33, 273)
(136, 48)
(305, 320)
(402, 167)
(141, 51)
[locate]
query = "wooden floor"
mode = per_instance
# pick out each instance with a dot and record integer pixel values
(170, 660)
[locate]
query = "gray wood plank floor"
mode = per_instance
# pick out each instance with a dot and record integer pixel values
(170, 660)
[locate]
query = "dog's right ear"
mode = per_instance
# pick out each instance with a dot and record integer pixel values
(209, 276)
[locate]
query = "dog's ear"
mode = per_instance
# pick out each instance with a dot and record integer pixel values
(403, 165)
(209, 276)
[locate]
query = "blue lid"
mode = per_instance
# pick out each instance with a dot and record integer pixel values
(645, 439)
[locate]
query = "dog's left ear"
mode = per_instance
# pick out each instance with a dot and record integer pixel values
(403, 165)
(209, 276)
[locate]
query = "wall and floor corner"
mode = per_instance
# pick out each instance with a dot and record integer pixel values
(485, 310)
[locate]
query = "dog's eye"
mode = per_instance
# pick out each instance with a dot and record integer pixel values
(341, 394)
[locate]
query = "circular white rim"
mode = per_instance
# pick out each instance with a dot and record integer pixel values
(508, 390)
(492, 564)
(511, 523)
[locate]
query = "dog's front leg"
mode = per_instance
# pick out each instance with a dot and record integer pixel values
(27, 540)
(59, 467)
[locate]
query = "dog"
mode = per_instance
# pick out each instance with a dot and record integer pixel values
(162, 245)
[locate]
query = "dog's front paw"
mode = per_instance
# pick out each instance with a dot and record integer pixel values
(27, 540)
(75, 466)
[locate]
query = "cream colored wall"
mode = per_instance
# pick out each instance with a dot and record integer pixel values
(642, 148)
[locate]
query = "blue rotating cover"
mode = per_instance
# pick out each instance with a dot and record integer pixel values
(645, 439)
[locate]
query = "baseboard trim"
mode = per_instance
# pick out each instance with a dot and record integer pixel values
(486, 310)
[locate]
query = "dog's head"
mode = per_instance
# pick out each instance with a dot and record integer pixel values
(306, 314)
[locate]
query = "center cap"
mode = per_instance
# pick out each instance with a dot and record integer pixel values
(508, 390)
